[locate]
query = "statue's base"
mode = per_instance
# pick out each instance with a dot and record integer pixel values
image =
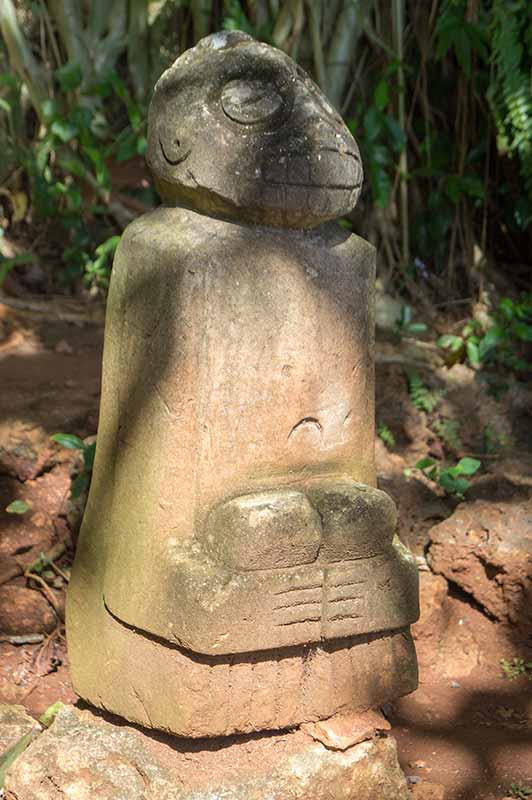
(82, 755)
(156, 685)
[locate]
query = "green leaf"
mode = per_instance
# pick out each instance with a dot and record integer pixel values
(142, 145)
(489, 341)
(450, 342)
(88, 456)
(18, 507)
(6, 79)
(406, 315)
(8, 757)
(79, 484)
(381, 95)
(50, 714)
(69, 76)
(109, 246)
(68, 440)
(424, 463)
(63, 130)
(473, 353)
(468, 466)
(523, 331)
(5, 106)
(454, 486)
(372, 124)
(417, 327)
(48, 109)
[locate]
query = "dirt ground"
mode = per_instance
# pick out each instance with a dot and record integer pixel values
(466, 734)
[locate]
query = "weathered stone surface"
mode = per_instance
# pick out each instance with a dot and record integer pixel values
(282, 525)
(14, 724)
(82, 757)
(24, 610)
(359, 521)
(236, 128)
(234, 549)
(486, 549)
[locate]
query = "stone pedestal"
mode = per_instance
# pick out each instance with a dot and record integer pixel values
(82, 756)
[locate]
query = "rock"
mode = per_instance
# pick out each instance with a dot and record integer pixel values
(345, 730)
(24, 610)
(25, 449)
(14, 724)
(82, 756)
(485, 548)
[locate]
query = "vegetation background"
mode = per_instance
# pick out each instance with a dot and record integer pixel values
(437, 93)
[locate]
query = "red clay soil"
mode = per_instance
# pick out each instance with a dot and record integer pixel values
(466, 734)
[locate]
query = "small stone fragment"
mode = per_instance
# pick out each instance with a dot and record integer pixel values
(345, 730)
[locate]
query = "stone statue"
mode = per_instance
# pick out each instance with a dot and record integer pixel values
(237, 569)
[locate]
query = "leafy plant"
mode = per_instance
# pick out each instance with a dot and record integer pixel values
(380, 137)
(421, 397)
(406, 327)
(516, 668)
(72, 442)
(510, 90)
(521, 791)
(451, 479)
(504, 342)
(385, 435)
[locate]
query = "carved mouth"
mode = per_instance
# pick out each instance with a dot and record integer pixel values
(321, 182)
(327, 168)
(177, 159)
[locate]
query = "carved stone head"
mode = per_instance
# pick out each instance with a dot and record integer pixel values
(238, 129)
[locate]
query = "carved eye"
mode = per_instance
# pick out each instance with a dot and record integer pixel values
(250, 102)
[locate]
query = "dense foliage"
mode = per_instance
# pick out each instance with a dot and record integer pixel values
(438, 95)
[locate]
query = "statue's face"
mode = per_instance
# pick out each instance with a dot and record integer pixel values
(238, 129)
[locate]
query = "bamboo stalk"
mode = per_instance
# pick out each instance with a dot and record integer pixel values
(283, 24)
(108, 50)
(398, 30)
(314, 7)
(68, 18)
(201, 18)
(347, 32)
(21, 57)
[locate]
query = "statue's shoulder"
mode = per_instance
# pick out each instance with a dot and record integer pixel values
(342, 243)
(161, 226)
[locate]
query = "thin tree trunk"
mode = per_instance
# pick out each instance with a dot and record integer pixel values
(137, 47)
(21, 57)
(348, 30)
(398, 29)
